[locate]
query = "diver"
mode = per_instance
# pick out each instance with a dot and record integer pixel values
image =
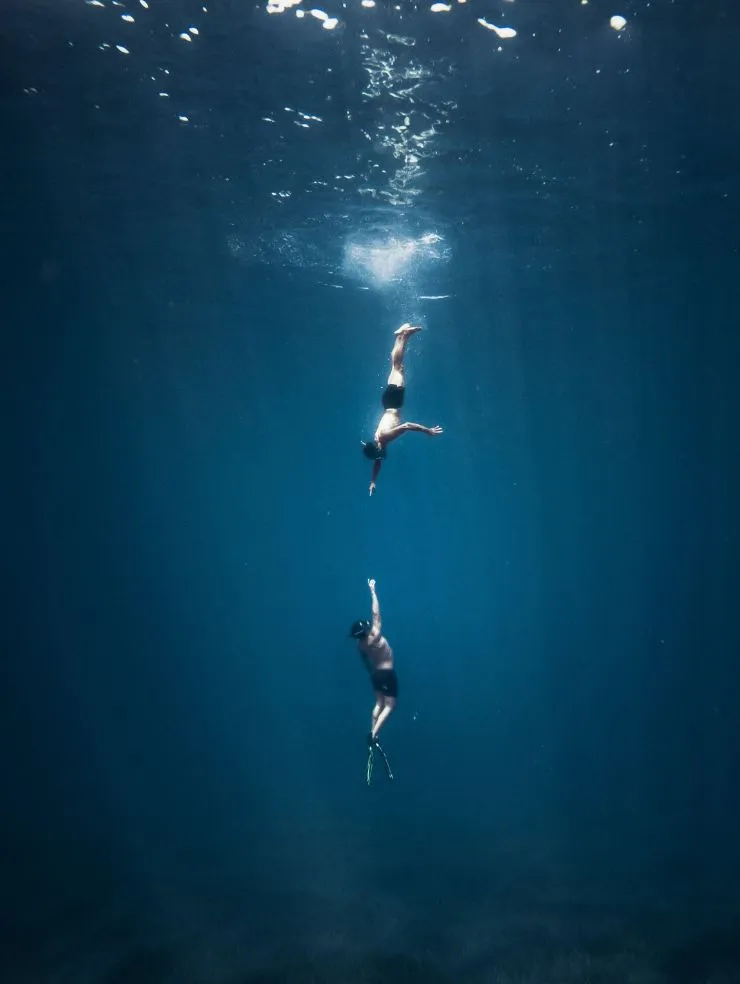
(377, 656)
(390, 426)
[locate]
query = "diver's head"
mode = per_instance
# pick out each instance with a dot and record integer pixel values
(360, 629)
(372, 450)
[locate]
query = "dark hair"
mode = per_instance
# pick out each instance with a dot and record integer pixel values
(360, 629)
(372, 450)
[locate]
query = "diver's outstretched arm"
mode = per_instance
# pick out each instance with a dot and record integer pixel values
(395, 432)
(377, 623)
(374, 476)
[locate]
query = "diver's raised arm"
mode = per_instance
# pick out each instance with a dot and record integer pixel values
(377, 623)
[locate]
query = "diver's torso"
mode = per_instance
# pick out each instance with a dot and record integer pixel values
(389, 420)
(379, 655)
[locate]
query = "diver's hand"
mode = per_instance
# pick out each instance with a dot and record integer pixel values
(371, 583)
(436, 430)
(372, 488)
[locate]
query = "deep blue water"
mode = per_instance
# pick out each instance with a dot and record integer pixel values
(197, 316)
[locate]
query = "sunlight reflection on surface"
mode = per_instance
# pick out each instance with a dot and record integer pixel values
(393, 261)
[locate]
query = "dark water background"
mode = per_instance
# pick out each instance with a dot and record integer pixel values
(187, 532)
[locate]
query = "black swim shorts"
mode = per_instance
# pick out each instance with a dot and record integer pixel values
(385, 682)
(393, 397)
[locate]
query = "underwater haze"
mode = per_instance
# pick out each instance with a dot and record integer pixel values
(214, 217)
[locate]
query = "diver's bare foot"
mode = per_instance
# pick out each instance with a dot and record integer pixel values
(407, 329)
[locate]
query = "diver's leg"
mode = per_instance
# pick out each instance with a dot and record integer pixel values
(385, 713)
(377, 711)
(397, 353)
